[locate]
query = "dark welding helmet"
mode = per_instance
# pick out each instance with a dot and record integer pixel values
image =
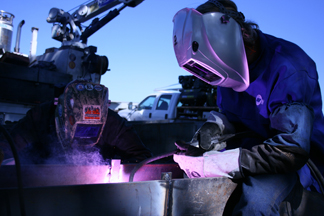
(210, 46)
(81, 113)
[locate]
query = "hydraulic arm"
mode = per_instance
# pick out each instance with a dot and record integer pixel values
(67, 27)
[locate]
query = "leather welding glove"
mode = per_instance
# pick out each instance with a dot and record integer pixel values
(206, 137)
(215, 126)
(211, 164)
(287, 151)
(206, 133)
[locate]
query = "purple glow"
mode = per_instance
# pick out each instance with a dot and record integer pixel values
(54, 175)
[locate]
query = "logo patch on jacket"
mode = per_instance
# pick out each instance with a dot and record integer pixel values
(259, 100)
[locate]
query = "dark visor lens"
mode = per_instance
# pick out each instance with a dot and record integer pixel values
(201, 72)
(87, 131)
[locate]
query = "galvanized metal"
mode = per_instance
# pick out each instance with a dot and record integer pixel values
(139, 198)
(79, 191)
(33, 44)
(6, 29)
(17, 47)
(205, 196)
(189, 197)
(57, 175)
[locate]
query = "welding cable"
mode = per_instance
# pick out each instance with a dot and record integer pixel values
(18, 168)
(149, 160)
(164, 155)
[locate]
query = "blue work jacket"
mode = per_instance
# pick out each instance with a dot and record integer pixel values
(282, 74)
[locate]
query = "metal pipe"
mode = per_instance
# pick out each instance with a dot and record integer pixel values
(18, 36)
(33, 44)
(6, 29)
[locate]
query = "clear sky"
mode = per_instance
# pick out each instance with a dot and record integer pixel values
(138, 43)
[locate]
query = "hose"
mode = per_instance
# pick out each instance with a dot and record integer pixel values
(149, 160)
(18, 169)
(164, 155)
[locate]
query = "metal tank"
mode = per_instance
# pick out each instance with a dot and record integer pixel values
(6, 29)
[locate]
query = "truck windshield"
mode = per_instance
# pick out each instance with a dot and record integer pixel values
(147, 103)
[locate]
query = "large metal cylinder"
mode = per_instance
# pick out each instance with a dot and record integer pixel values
(6, 28)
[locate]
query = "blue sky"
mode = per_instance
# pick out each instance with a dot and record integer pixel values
(138, 43)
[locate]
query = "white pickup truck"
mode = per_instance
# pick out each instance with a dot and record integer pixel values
(156, 106)
(166, 105)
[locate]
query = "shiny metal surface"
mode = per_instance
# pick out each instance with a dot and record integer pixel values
(6, 29)
(56, 175)
(139, 198)
(189, 197)
(79, 190)
(206, 196)
(47, 175)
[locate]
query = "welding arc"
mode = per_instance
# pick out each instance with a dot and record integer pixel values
(18, 168)
(149, 160)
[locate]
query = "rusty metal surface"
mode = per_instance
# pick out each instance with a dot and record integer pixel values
(207, 196)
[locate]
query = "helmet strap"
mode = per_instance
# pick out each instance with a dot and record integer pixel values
(237, 16)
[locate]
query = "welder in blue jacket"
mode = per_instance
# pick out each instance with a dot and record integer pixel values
(267, 86)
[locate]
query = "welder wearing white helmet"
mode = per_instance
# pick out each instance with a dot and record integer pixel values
(267, 88)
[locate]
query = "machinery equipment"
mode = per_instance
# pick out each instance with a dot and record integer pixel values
(195, 92)
(29, 80)
(196, 98)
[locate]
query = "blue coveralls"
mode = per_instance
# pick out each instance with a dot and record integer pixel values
(283, 74)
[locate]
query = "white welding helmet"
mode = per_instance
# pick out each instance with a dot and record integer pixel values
(210, 46)
(81, 113)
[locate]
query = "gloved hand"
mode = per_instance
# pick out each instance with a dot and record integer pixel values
(205, 139)
(208, 131)
(216, 126)
(210, 136)
(211, 164)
